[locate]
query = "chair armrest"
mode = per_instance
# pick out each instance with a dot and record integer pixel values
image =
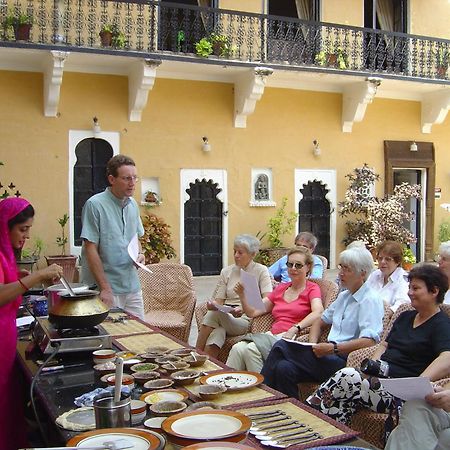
(357, 356)
(261, 324)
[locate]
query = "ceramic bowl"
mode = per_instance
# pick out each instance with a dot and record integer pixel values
(127, 380)
(184, 377)
(157, 350)
(162, 383)
(104, 368)
(154, 423)
(162, 359)
(167, 408)
(199, 359)
(138, 411)
(175, 366)
(210, 391)
(182, 352)
(202, 405)
(144, 367)
(104, 356)
(162, 395)
(143, 376)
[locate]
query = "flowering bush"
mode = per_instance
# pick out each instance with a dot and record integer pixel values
(377, 219)
(156, 242)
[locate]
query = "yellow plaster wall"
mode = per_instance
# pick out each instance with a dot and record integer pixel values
(279, 135)
(344, 12)
(430, 18)
(254, 6)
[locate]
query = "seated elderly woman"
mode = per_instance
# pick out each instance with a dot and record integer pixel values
(216, 324)
(444, 265)
(294, 306)
(390, 280)
(356, 321)
(418, 345)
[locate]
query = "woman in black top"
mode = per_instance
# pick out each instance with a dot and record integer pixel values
(418, 345)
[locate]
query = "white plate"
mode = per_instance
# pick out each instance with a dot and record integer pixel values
(138, 442)
(206, 427)
(154, 422)
(234, 380)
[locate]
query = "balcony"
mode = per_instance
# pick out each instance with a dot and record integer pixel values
(302, 55)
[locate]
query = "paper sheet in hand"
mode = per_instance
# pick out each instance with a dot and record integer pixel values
(306, 344)
(22, 321)
(414, 388)
(133, 251)
(224, 308)
(251, 289)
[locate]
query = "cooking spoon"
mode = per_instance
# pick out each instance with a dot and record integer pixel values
(118, 379)
(66, 284)
(285, 443)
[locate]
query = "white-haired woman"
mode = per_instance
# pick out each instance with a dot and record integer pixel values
(444, 265)
(356, 318)
(217, 325)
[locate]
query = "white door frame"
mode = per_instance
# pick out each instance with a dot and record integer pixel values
(75, 137)
(328, 178)
(218, 176)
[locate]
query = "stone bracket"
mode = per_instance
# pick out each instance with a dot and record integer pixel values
(140, 81)
(435, 106)
(248, 89)
(53, 75)
(355, 99)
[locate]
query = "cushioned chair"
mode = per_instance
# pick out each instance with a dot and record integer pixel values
(324, 263)
(169, 298)
(261, 324)
(371, 424)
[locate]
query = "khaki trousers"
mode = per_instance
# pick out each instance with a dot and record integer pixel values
(224, 325)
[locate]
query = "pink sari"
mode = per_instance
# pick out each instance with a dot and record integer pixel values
(12, 423)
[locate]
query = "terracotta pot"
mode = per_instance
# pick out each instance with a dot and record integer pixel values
(332, 59)
(22, 32)
(68, 264)
(441, 71)
(106, 38)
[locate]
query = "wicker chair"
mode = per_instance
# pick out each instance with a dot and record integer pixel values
(371, 424)
(169, 298)
(324, 263)
(261, 324)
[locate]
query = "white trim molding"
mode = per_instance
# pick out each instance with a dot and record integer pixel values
(328, 178)
(435, 106)
(53, 75)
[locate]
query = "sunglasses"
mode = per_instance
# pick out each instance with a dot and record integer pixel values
(295, 265)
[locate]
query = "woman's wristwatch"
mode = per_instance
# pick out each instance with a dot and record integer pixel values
(299, 328)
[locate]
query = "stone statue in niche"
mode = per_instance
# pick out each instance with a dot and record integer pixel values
(262, 187)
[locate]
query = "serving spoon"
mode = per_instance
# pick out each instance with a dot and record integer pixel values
(262, 430)
(285, 443)
(281, 435)
(273, 431)
(67, 285)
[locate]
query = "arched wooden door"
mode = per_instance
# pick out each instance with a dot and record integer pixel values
(89, 176)
(203, 216)
(314, 215)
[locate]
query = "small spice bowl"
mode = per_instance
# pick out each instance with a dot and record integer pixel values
(210, 391)
(162, 359)
(162, 383)
(161, 395)
(143, 376)
(154, 423)
(127, 380)
(157, 350)
(176, 366)
(138, 411)
(184, 377)
(144, 367)
(104, 356)
(167, 408)
(196, 359)
(202, 405)
(104, 368)
(182, 352)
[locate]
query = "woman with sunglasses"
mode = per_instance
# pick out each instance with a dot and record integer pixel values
(390, 280)
(294, 306)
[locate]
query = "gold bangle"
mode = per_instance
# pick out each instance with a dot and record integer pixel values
(23, 284)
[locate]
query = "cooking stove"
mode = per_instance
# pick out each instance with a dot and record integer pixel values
(48, 337)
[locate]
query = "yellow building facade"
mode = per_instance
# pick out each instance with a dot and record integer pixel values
(256, 123)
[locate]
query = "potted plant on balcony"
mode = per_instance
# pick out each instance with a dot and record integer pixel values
(68, 262)
(333, 57)
(21, 23)
(442, 61)
(111, 36)
(216, 44)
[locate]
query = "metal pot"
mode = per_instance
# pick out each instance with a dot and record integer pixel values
(83, 311)
(53, 292)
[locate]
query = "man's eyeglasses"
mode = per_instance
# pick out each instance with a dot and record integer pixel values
(133, 179)
(388, 259)
(343, 268)
(295, 265)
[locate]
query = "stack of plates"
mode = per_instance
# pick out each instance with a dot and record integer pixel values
(209, 425)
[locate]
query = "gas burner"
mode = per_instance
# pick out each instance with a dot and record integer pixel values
(78, 332)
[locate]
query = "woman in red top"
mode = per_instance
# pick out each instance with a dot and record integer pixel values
(16, 218)
(294, 306)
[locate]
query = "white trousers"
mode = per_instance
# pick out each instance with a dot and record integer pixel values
(224, 325)
(421, 427)
(132, 303)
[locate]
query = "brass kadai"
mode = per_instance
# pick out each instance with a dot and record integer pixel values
(85, 310)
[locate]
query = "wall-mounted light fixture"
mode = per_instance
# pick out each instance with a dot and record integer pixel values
(96, 127)
(316, 149)
(413, 147)
(206, 146)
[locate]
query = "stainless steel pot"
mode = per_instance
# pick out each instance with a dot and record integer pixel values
(53, 292)
(83, 311)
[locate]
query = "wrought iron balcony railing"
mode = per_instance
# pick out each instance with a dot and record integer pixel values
(171, 30)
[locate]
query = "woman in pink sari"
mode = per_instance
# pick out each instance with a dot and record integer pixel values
(16, 219)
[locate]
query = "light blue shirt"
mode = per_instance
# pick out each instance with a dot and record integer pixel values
(353, 316)
(111, 224)
(279, 269)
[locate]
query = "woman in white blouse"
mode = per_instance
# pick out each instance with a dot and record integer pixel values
(390, 280)
(444, 265)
